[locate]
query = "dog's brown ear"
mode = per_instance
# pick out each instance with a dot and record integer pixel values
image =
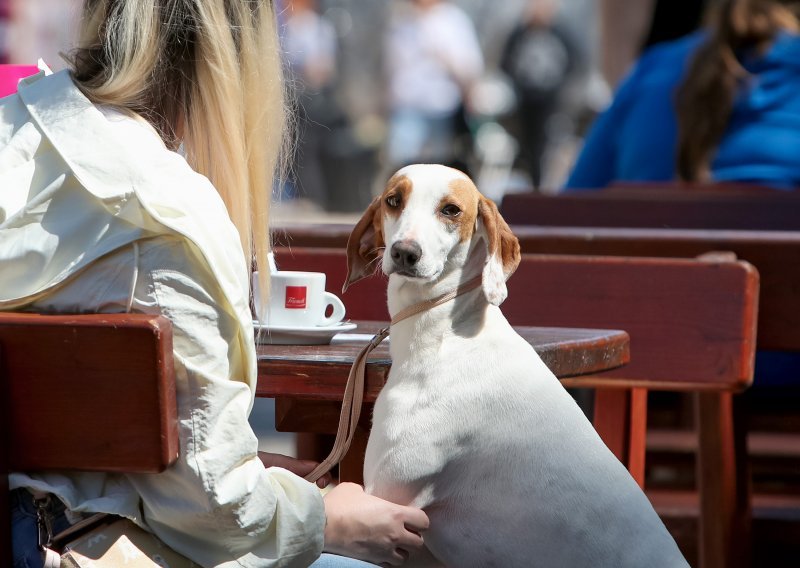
(502, 254)
(365, 245)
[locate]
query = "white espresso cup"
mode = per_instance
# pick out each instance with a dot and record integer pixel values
(297, 299)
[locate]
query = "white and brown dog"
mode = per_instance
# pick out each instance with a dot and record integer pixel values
(471, 425)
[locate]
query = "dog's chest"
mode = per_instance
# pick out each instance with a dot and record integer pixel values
(427, 418)
(408, 446)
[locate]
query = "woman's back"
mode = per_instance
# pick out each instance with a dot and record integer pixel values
(762, 140)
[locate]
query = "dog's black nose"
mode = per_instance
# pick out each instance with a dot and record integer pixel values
(405, 254)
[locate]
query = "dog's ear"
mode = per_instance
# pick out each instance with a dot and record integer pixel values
(502, 255)
(365, 244)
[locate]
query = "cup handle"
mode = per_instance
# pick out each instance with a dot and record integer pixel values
(338, 309)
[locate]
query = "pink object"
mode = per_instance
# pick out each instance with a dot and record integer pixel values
(10, 76)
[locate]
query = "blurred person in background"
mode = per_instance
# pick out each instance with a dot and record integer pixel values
(717, 105)
(540, 57)
(309, 43)
(41, 29)
(154, 159)
(5, 16)
(432, 60)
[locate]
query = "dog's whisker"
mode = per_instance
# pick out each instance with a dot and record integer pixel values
(378, 256)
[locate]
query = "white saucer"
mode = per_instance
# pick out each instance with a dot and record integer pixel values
(312, 335)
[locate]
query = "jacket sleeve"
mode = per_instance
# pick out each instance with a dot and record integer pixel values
(598, 162)
(218, 504)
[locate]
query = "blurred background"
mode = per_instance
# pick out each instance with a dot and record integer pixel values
(503, 90)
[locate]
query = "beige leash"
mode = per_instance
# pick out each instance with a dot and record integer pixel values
(354, 389)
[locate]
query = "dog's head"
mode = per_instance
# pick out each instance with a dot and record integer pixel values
(427, 219)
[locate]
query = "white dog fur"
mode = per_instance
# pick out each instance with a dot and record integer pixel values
(471, 425)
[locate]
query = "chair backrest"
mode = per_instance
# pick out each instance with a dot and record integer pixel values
(691, 322)
(658, 207)
(86, 392)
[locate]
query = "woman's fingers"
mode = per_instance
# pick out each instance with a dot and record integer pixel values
(416, 520)
(410, 541)
(367, 527)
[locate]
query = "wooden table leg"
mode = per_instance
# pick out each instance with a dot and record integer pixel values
(351, 468)
(723, 482)
(620, 417)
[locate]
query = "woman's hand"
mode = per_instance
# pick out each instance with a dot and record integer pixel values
(296, 466)
(368, 528)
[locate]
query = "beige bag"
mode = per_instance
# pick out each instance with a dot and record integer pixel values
(101, 541)
(121, 543)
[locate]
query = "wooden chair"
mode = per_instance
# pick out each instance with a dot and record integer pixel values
(85, 393)
(692, 328)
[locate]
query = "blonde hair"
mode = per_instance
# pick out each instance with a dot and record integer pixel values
(206, 73)
(705, 98)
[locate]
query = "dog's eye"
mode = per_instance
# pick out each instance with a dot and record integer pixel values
(393, 201)
(451, 210)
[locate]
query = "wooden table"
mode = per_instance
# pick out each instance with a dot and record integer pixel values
(307, 381)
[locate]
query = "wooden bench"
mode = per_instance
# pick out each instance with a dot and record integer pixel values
(728, 206)
(85, 393)
(692, 328)
(665, 206)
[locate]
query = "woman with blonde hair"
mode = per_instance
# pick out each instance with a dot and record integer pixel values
(717, 105)
(139, 181)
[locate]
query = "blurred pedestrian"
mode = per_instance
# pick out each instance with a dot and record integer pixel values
(41, 29)
(540, 58)
(5, 16)
(310, 47)
(433, 59)
(717, 105)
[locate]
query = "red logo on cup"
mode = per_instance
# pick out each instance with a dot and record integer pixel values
(295, 297)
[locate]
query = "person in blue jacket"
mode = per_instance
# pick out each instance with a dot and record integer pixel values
(720, 104)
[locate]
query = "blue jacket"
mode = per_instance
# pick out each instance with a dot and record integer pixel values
(635, 138)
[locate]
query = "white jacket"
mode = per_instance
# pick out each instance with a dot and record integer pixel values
(97, 215)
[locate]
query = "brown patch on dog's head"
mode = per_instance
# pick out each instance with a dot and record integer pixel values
(365, 244)
(465, 196)
(398, 190)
